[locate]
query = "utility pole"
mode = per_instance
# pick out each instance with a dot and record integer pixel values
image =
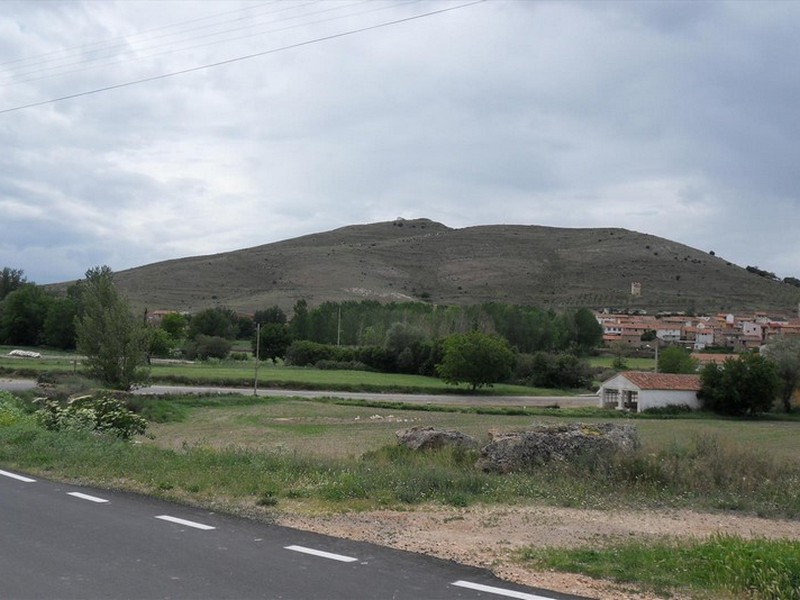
(258, 358)
(657, 344)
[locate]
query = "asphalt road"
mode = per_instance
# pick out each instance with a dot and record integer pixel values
(446, 399)
(68, 542)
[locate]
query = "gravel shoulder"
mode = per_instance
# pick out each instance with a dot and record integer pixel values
(490, 536)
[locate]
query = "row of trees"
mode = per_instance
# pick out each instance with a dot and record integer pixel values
(408, 338)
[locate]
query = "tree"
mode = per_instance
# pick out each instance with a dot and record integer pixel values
(784, 352)
(476, 358)
(620, 351)
(203, 347)
(274, 314)
(300, 323)
(675, 359)
(649, 335)
(114, 341)
(275, 339)
(24, 314)
(59, 325)
(743, 386)
(404, 343)
(213, 322)
(588, 333)
(175, 325)
(161, 343)
(10, 280)
(543, 369)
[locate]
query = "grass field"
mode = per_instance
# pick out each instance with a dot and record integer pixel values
(329, 429)
(242, 374)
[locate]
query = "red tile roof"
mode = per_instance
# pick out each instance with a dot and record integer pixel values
(663, 381)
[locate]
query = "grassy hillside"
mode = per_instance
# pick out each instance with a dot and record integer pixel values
(427, 261)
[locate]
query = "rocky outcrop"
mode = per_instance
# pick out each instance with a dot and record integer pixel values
(507, 452)
(431, 438)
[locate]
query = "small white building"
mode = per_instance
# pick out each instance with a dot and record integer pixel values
(638, 390)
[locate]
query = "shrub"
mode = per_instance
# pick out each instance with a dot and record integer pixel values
(341, 365)
(303, 353)
(102, 413)
(208, 346)
(672, 409)
(10, 409)
(745, 386)
(543, 369)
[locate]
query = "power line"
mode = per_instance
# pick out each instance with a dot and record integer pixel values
(122, 39)
(98, 65)
(241, 58)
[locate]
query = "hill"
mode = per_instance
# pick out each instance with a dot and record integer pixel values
(421, 260)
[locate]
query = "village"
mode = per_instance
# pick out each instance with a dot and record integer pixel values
(732, 332)
(711, 339)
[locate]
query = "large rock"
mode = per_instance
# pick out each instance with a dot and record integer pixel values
(430, 438)
(508, 452)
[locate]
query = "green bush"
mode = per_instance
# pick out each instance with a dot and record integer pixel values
(745, 386)
(102, 413)
(204, 347)
(303, 353)
(338, 365)
(10, 409)
(543, 369)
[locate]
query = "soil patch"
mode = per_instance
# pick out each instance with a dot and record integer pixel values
(490, 537)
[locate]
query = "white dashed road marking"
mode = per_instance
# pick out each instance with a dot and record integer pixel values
(87, 497)
(321, 553)
(185, 522)
(499, 591)
(17, 477)
(302, 549)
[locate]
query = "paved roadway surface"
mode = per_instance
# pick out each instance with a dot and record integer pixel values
(69, 542)
(450, 399)
(447, 399)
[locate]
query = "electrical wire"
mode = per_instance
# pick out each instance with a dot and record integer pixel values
(243, 58)
(172, 50)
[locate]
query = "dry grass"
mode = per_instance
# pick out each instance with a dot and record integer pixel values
(320, 429)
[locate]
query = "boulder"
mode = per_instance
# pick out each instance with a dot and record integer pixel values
(507, 452)
(431, 438)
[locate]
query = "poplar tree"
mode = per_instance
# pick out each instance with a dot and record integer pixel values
(114, 342)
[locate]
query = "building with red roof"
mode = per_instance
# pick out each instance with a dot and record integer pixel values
(638, 391)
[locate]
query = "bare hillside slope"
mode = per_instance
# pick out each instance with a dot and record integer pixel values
(423, 260)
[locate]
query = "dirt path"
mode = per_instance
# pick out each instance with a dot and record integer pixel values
(489, 537)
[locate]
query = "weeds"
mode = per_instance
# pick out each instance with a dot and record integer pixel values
(758, 568)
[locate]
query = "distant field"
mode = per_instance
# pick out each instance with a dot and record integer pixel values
(242, 373)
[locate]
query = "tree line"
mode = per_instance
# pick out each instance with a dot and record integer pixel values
(396, 337)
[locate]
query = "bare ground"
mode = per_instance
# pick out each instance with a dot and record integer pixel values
(490, 536)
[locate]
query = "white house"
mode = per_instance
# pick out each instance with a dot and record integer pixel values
(638, 391)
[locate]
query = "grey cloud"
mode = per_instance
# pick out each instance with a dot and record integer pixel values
(678, 119)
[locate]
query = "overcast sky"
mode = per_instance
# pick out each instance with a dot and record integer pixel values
(676, 119)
